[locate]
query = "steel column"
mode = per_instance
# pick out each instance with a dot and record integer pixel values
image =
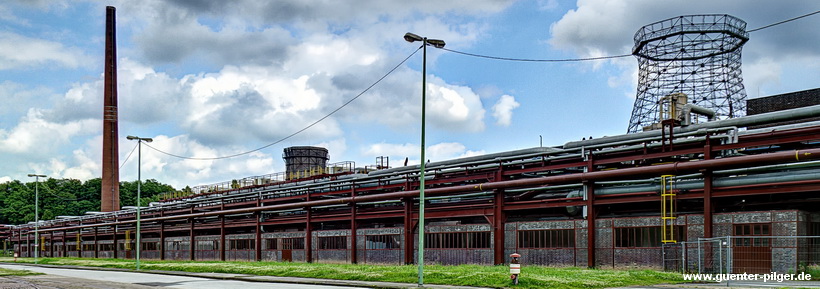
(258, 240)
(114, 237)
(222, 238)
(408, 231)
(161, 239)
(707, 193)
(589, 186)
(353, 252)
(96, 246)
(192, 240)
(65, 242)
(308, 237)
(51, 246)
(498, 227)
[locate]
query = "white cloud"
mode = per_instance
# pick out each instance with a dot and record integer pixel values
(503, 110)
(759, 73)
(35, 134)
(454, 107)
(18, 51)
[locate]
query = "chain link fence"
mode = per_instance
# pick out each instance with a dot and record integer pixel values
(744, 254)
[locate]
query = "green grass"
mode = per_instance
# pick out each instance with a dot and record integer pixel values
(10, 272)
(466, 275)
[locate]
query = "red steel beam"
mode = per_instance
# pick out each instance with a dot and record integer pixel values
(672, 168)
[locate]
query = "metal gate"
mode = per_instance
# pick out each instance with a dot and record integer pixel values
(712, 256)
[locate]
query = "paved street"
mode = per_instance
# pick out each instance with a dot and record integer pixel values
(87, 279)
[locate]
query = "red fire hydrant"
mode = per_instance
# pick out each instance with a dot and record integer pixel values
(515, 267)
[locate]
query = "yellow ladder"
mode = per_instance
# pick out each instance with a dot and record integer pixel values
(668, 209)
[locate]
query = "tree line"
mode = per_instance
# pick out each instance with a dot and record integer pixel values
(67, 197)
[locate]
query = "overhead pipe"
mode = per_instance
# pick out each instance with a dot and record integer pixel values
(673, 168)
(750, 120)
(690, 108)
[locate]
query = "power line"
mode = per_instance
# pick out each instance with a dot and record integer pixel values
(537, 60)
(301, 130)
(784, 21)
(600, 57)
(129, 156)
(450, 50)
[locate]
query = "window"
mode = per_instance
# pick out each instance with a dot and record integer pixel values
(150, 246)
(207, 245)
(243, 244)
(293, 243)
(546, 239)
(88, 247)
(333, 243)
(271, 244)
(457, 240)
(106, 247)
(752, 230)
(642, 237)
(374, 242)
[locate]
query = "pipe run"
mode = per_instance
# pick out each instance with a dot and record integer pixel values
(676, 168)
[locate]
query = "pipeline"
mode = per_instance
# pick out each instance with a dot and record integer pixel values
(758, 119)
(673, 168)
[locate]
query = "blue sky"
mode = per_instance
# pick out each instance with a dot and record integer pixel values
(216, 78)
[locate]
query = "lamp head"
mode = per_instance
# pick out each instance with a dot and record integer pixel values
(437, 43)
(131, 137)
(410, 37)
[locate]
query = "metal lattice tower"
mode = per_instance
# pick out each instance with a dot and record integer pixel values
(698, 55)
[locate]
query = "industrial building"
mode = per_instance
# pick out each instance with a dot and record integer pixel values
(595, 202)
(700, 162)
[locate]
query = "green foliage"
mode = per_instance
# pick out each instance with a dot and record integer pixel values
(67, 197)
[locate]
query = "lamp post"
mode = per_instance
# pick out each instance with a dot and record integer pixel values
(139, 189)
(410, 37)
(36, 213)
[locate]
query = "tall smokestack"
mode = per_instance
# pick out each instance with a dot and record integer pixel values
(110, 195)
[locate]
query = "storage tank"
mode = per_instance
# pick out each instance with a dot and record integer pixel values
(304, 161)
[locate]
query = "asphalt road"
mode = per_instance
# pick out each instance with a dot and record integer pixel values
(88, 279)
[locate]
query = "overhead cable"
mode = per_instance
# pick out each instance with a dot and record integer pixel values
(299, 131)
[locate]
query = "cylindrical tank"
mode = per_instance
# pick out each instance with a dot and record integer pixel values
(304, 161)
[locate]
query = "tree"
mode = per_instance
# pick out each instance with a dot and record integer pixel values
(67, 197)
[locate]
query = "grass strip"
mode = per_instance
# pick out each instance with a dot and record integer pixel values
(12, 272)
(464, 275)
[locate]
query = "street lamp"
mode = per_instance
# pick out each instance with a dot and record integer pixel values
(36, 213)
(410, 37)
(139, 188)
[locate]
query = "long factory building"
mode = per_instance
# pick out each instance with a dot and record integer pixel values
(604, 202)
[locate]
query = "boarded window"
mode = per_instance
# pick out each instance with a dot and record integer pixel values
(546, 239)
(642, 237)
(333, 243)
(374, 242)
(457, 240)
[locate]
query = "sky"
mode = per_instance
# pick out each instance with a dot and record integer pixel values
(208, 79)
